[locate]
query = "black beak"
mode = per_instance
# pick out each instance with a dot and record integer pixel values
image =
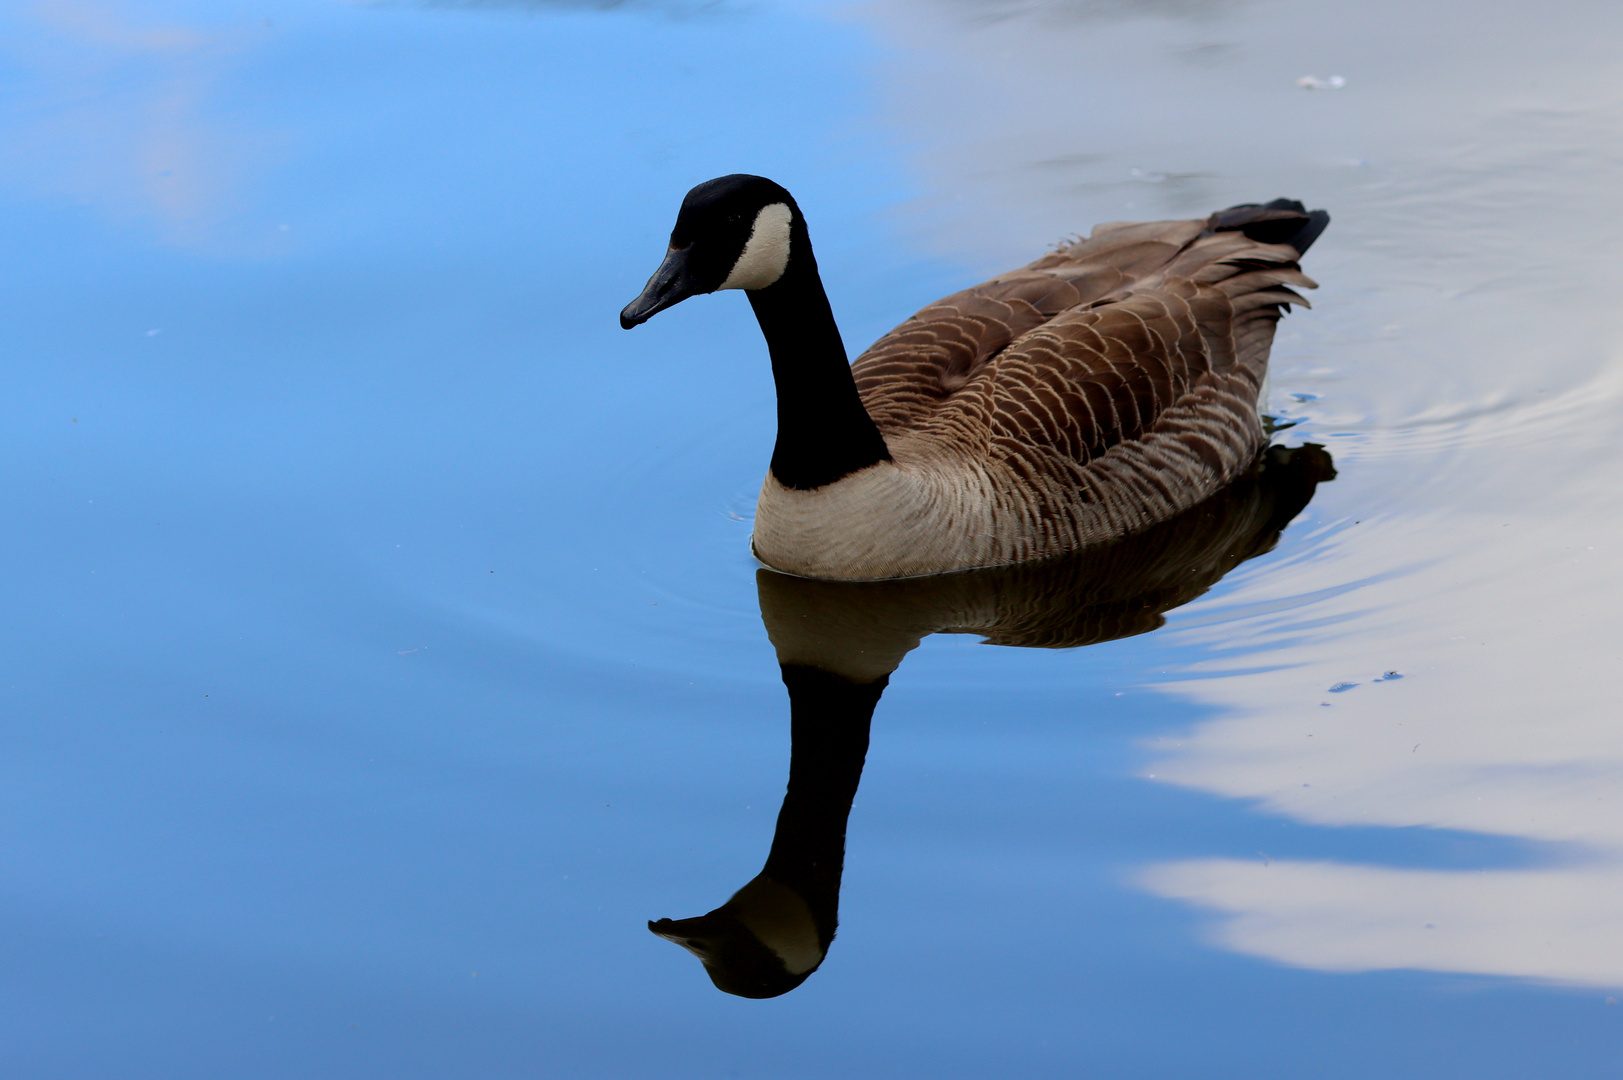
(670, 285)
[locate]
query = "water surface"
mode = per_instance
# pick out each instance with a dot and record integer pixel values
(384, 649)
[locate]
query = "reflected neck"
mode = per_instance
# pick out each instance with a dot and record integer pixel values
(775, 931)
(829, 718)
(824, 432)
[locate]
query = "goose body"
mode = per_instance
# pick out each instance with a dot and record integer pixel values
(1105, 387)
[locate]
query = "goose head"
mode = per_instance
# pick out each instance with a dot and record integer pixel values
(733, 232)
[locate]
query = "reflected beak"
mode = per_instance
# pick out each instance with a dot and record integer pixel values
(682, 931)
(670, 285)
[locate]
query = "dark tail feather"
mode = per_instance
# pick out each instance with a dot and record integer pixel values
(1317, 222)
(1283, 221)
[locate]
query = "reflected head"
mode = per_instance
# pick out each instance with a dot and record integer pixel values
(737, 961)
(761, 943)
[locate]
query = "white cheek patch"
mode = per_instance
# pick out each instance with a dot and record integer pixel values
(766, 255)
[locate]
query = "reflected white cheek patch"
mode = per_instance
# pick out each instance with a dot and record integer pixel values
(766, 254)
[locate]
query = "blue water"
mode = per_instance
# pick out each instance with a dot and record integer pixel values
(382, 646)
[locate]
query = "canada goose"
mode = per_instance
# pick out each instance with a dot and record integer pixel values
(839, 641)
(1104, 387)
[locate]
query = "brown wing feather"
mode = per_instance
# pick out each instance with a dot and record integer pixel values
(1160, 327)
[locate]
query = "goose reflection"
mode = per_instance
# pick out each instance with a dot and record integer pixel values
(838, 642)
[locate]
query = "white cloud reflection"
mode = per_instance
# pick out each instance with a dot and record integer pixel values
(1549, 925)
(1463, 363)
(1505, 723)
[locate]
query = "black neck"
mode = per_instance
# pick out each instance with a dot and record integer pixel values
(824, 433)
(829, 718)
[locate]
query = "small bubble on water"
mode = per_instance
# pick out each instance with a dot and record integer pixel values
(1304, 397)
(1390, 676)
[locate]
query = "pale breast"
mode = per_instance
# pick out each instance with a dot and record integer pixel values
(894, 519)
